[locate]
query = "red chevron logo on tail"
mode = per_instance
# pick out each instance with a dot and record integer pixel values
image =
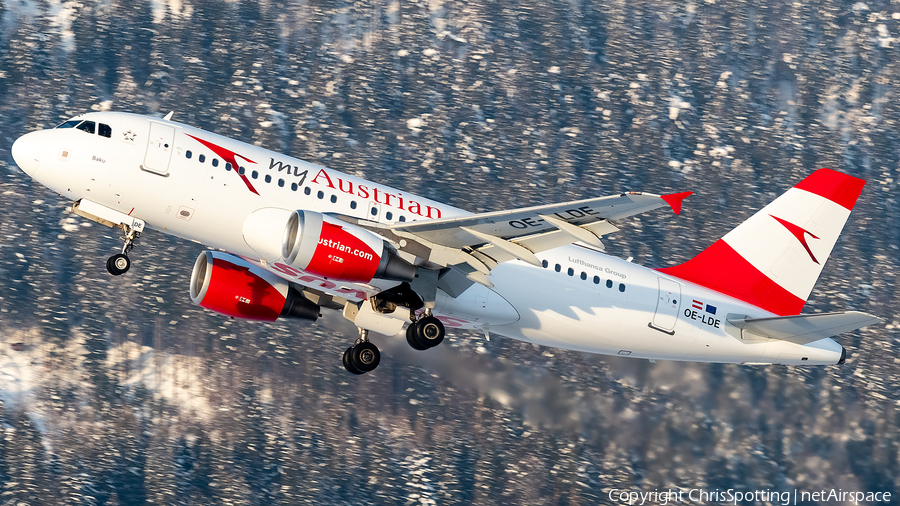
(799, 234)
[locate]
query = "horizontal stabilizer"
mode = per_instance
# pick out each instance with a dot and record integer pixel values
(804, 328)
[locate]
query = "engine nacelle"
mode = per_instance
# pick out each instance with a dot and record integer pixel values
(329, 247)
(234, 287)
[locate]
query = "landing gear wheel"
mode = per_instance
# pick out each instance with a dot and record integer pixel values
(347, 364)
(429, 332)
(412, 339)
(364, 356)
(118, 264)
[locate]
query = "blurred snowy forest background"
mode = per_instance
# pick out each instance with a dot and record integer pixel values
(119, 391)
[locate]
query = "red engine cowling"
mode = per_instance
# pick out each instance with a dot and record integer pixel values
(323, 245)
(234, 287)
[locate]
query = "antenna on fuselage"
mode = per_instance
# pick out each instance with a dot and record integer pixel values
(168, 117)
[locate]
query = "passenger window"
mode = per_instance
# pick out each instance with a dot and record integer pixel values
(87, 126)
(334, 199)
(571, 271)
(307, 191)
(215, 162)
(545, 264)
(321, 194)
(557, 268)
(352, 204)
(227, 165)
(583, 276)
(294, 186)
(389, 215)
(281, 183)
(621, 287)
(609, 283)
(255, 174)
(105, 130)
(241, 170)
(188, 154)
(201, 158)
(403, 218)
(374, 211)
(596, 280)
(268, 178)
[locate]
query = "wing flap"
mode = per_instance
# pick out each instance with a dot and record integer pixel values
(806, 328)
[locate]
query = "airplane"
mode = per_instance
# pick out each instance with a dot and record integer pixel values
(290, 239)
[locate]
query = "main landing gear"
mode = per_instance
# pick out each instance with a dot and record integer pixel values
(119, 263)
(386, 313)
(363, 356)
(425, 333)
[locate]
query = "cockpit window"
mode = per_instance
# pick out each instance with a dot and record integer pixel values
(105, 130)
(70, 124)
(87, 126)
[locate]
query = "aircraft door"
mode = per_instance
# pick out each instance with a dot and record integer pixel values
(667, 305)
(160, 145)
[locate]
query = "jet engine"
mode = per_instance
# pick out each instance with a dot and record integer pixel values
(234, 287)
(329, 247)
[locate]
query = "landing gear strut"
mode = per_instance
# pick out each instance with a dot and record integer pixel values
(425, 333)
(363, 356)
(119, 263)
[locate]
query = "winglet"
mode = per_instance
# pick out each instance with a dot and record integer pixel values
(674, 200)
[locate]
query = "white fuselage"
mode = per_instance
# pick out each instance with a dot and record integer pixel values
(630, 310)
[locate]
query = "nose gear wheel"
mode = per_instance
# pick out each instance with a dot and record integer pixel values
(119, 263)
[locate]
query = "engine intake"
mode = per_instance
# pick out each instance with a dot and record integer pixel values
(230, 285)
(323, 245)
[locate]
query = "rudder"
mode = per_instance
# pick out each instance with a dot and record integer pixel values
(774, 259)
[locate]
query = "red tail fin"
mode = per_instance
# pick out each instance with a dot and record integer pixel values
(773, 259)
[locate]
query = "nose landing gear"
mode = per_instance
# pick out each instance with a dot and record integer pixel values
(363, 356)
(119, 263)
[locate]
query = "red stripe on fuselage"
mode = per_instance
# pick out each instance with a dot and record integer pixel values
(229, 157)
(720, 268)
(839, 188)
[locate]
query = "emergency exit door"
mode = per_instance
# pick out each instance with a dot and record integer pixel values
(159, 149)
(667, 305)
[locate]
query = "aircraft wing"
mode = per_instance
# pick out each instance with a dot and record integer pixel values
(485, 240)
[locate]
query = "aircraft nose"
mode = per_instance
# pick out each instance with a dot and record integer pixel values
(25, 151)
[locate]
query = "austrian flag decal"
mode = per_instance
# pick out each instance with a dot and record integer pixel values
(709, 308)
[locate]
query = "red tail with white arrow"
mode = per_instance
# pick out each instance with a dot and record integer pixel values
(773, 259)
